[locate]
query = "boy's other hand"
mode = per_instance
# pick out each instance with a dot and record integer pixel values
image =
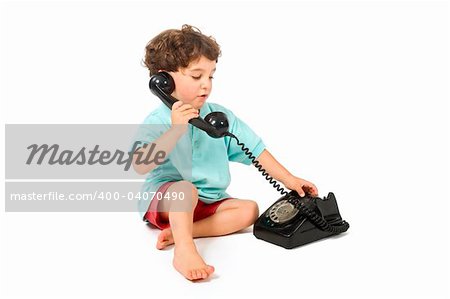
(301, 186)
(182, 113)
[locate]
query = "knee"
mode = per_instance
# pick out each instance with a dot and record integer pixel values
(250, 212)
(186, 191)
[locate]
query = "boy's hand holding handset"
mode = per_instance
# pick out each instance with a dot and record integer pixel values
(181, 114)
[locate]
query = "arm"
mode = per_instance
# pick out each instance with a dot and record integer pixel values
(180, 115)
(281, 174)
(166, 143)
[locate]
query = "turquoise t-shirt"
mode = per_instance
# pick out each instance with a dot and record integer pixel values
(208, 167)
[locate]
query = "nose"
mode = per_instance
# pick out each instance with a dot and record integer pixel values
(206, 84)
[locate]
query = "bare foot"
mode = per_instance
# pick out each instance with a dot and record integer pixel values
(165, 239)
(190, 264)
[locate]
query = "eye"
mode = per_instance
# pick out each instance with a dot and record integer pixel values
(196, 78)
(211, 77)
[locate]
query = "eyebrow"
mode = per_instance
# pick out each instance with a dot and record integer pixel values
(200, 69)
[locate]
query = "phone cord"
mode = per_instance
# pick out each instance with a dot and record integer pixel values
(295, 201)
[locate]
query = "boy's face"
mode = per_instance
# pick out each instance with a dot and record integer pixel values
(193, 84)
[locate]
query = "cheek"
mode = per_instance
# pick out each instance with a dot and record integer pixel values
(186, 89)
(189, 91)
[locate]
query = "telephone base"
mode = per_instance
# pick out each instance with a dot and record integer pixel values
(282, 226)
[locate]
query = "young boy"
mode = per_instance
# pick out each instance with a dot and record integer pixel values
(190, 58)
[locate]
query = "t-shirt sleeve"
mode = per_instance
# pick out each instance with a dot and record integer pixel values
(247, 136)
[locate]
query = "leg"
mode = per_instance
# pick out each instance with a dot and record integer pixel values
(231, 216)
(186, 259)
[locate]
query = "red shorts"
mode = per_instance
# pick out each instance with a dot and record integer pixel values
(202, 210)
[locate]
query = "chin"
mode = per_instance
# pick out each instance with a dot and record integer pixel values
(199, 105)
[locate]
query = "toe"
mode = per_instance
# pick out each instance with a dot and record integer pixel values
(160, 237)
(191, 275)
(199, 273)
(160, 245)
(194, 274)
(209, 269)
(204, 274)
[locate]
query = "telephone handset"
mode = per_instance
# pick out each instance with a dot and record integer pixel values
(291, 221)
(215, 124)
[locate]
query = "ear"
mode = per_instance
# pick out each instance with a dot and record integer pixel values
(171, 73)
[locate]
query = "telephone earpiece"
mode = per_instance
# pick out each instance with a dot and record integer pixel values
(162, 85)
(215, 124)
(164, 81)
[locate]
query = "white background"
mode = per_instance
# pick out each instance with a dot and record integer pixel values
(350, 95)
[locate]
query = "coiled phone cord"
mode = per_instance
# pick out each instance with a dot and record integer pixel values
(310, 214)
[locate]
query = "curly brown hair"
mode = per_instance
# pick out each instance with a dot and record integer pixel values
(173, 49)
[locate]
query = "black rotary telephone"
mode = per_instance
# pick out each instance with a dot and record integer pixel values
(292, 220)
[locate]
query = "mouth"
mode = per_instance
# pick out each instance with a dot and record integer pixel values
(203, 96)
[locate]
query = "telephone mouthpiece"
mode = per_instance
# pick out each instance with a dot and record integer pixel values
(219, 121)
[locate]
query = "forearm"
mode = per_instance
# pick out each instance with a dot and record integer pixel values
(274, 168)
(164, 144)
